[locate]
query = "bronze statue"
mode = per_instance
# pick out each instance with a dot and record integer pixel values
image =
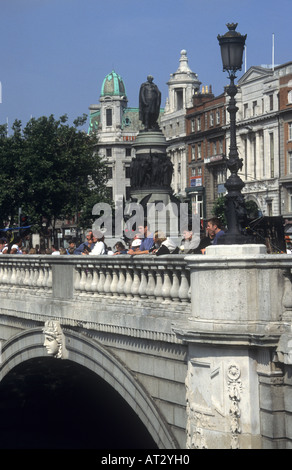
(149, 104)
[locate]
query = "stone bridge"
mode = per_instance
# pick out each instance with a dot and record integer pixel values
(189, 351)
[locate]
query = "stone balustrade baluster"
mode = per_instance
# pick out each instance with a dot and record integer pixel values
(40, 280)
(121, 282)
(101, 280)
(166, 285)
(150, 284)
(82, 281)
(5, 275)
(19, 275)
(174, 291)
(35, 275)
(1, 272)
(128, 281)
(26, 276)
(136, 282)
(12, 278)
(158, 284)
(77, 278)
(184, 287)
(108, 281)
(89, 275)
(115, 280)
(143, 283)
(95, 278)
(46, 277)
(50, 277)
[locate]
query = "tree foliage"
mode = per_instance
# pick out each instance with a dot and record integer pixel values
(219, 209)
(50, 170)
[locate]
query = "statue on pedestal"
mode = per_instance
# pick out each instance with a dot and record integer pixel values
(149, 104)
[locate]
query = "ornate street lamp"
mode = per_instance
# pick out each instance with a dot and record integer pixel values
(232, 45)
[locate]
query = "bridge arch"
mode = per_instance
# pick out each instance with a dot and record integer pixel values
(93, 356)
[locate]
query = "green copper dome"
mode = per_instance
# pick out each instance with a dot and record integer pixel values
(113, 85)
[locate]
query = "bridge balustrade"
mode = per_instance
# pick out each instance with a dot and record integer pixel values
(164, 279)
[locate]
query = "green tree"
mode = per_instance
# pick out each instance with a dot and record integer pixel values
(54, 171)
(219, 209)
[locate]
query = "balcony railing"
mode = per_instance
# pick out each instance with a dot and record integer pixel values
(159, 279)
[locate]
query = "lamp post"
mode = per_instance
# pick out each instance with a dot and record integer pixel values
(232, 45)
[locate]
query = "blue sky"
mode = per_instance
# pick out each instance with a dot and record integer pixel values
(55, 54)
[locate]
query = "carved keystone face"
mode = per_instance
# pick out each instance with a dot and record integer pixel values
(51, 345)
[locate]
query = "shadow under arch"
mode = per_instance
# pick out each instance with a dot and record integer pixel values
(105, 373)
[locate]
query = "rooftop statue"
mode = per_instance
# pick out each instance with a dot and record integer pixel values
(149, 104)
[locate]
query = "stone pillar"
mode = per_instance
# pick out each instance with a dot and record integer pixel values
(237, 293)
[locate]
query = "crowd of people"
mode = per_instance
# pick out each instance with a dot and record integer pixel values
(144, 242)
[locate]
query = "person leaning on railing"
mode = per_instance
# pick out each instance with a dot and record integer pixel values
(163, 245)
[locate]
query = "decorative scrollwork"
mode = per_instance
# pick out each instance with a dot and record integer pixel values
(234, 390)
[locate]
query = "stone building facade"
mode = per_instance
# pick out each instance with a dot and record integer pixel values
(205, 123)
(258, 137)
(285, 119)
(116, 126)
(182, 86)
(195, 124)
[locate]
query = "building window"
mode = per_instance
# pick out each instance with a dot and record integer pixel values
(179, 99)
(199, 151)
(109, 172)
(271, 102)
(193, 152)
(213, 148)
(199, 123)
(290, 131)
(127, 172)
(245, 108)
(290, 162)
(218, 117)
(199, 172)
(254, 108)
(192, 125)
(272, 156)
(193, 171)
(245, 157)
(109, 117)
(220, 146)
(197, 205)
(290, 96)
(128, 193)
(109, 192)
(211, 119)
(128, 151)
(220, 176)
(108, 152)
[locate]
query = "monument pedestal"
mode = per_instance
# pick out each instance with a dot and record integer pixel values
(151, 174)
